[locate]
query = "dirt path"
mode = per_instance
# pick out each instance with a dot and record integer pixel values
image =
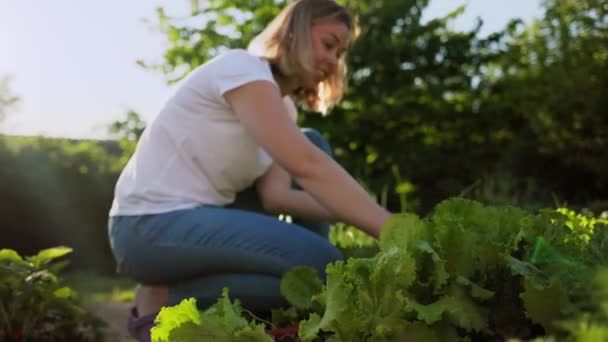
(115, 314)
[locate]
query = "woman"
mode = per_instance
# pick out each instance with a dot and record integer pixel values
(175, 223)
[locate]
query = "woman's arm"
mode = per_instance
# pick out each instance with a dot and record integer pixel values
(291, 109)
(278, 196)
(261, 110)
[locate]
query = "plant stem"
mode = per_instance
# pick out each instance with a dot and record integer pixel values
(6, 322)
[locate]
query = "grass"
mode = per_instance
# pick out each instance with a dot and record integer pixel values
(94, 287)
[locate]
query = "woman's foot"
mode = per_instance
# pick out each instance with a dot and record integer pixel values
(148, 302)
(139, 326)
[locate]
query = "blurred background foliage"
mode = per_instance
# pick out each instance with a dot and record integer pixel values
(7, 99)
(516, 117)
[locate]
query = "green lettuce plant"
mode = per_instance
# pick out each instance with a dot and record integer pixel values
(467, 272)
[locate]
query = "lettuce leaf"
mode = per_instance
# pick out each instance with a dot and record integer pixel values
(221, 322)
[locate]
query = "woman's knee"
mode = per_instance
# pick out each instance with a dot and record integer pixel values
(325, 255)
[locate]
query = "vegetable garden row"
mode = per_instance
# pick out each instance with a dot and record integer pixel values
(467, 272)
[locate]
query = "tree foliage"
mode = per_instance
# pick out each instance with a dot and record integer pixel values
(547, 88)
(431, 111)
(129, 128)
(7, 99)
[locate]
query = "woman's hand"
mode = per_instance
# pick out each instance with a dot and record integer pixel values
(276, 192)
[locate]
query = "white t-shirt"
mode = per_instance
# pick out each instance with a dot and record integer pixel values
(195, 151)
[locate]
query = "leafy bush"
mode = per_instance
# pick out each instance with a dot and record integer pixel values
(35, 305)
(65, 186)
(593, 324)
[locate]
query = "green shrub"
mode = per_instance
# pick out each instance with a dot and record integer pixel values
(36, 306)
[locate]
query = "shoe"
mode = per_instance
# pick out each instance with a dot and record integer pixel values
(139, 327)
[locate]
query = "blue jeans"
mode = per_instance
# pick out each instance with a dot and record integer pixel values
(196, 252)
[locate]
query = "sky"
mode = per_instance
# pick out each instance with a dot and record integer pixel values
(73, 63)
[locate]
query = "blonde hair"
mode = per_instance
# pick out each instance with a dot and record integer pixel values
(286, 44)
